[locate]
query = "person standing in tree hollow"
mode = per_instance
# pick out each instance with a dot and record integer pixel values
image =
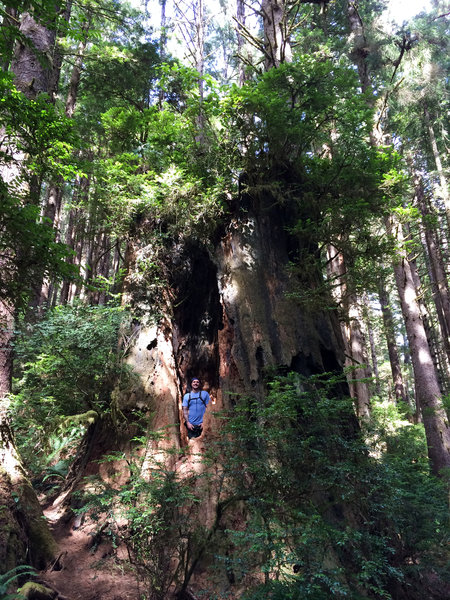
(194, 407)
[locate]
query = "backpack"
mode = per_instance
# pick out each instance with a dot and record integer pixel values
(200, 396)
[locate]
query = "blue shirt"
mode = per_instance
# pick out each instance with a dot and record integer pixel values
(197, 406)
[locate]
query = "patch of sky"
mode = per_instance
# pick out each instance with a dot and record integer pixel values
(399, 12)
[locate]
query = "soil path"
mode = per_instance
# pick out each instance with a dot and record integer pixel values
(84, 572)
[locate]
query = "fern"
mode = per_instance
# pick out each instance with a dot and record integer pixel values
(7, 578)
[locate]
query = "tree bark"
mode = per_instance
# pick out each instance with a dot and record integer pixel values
(428, 393)
(356, 359)
(373, 350)
(437, 159)
(31, 66)
(277, 47)
(58, 57)
(389, 332)
(25, 537)
(240, 18)
(437, 268)
(32, 63)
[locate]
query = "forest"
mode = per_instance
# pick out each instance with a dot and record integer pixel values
(252, 194)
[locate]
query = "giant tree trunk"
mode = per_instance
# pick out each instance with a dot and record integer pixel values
(24, 534)
(32, 68)
(230, 319)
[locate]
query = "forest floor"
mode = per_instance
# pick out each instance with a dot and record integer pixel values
(88, 566)
(85, 570)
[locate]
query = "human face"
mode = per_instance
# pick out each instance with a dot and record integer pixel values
(195, 384)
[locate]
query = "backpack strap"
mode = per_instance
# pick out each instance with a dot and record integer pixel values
(200, 396)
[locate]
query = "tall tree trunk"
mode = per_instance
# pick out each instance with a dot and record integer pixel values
(360, 52)
(389, 332)
(70, 242)
(428, 321)
(356, 359)
(373, 350)
(360, 372)
(437, 159)
(277, 47)
(32, 62)
(437, 268)
(428, 393)
(75, 76)
(192, 25)
(58, 57)
(31, 66)
(43, 290)
(240, 18)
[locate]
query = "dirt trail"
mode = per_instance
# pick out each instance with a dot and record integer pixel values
(83, 572)
(86, 570)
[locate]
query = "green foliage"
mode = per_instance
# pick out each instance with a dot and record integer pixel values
(328, 516)
(304, 140)
(8, 578)
(290, 111)
(416, 500)
(28, 249)
(39, 131)
(164, 527)
(68, 363)
(38, 141)
(121, 74)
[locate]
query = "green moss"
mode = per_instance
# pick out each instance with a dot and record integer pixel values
(41, 542)
(36, 591)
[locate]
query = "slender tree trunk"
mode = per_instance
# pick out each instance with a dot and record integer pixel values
(428, 393)
(75, 75)
(43, 290)
(192, 25)
(200, 64)
(240, 24)
(389, 332)
(439, 342)
(360, 52)
(373, 350)
(437, 159)
(70, 242)
(58, 57)
(163, 34)
(428, 321)
(360, 372)
(356, 360)
(437, 268)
